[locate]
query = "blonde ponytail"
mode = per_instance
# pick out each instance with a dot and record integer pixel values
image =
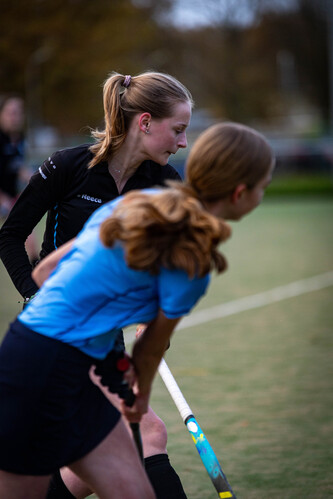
(111, 138)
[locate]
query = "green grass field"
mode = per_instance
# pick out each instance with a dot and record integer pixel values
(259, 381)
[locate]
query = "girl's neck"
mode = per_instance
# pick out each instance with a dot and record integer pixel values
(216, 208)
(127, 159)
(122, 165)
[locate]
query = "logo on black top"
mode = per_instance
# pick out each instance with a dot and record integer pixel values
(90, 198)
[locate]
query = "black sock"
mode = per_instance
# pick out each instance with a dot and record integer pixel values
(165, 481)
(57, 488)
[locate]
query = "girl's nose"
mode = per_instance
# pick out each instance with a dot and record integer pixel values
(182, 142)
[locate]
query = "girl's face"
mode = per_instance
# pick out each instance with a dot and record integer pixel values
(12, 116)
(249, 199)
(242, 201)
(166, 136)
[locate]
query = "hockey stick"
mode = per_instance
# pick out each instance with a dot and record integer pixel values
(127, 394)
(135, 427)
(203, 447)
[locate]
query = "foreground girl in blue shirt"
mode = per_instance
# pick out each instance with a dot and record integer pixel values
(143, 258)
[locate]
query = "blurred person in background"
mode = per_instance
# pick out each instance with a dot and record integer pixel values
(13, 171)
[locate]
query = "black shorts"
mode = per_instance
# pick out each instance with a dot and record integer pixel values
(51, 413)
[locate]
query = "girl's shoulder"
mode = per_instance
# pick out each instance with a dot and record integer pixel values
(71, 158)
(62, 169)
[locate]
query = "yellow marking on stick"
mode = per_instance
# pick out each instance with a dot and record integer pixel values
(225, 494)
(201, 438)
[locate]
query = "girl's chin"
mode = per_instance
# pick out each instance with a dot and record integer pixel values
(163, 160)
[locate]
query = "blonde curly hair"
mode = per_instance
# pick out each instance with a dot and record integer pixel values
(167, 228)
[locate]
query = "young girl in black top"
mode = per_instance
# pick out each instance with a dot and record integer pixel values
(146, 118)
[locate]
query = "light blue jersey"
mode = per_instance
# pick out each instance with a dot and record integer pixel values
(92, 293)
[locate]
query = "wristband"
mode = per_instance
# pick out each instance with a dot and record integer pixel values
(28, 299)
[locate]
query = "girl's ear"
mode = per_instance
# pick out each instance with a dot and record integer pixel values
(144, 121)
(238, 193)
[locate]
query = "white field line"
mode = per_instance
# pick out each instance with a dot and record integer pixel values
(274, 295)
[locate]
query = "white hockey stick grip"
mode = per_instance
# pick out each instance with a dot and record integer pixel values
(174, 390)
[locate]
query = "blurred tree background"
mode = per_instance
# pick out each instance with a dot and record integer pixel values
(266, 63)
(57, 53)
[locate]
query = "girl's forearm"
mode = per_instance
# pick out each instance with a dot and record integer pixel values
(42, 271)
(149, 349)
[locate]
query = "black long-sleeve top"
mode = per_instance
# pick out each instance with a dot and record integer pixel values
(69, 192)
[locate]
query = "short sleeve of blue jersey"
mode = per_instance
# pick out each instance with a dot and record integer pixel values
(178, 294)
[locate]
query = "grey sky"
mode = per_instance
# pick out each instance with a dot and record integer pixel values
(190, 13)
